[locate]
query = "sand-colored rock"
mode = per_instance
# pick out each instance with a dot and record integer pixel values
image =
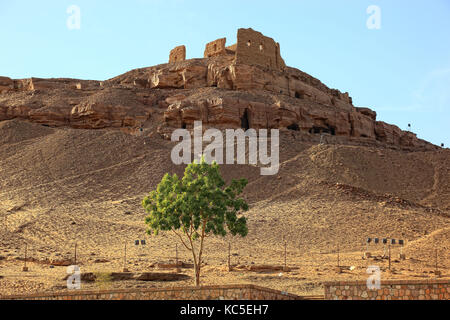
(6, 84)
(253, 48)
(230, 83)
(323, 195)
(177, 54)
(215, 48)
(59, 185)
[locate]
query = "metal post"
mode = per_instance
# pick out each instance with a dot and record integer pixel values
(338, 256)
(75, 255)
(229, 256)
(285, 255)
(176, 257)
(436, 272)
(125, 259)
(436, 259)
(389, 246)
(338, 267)
(25, 268)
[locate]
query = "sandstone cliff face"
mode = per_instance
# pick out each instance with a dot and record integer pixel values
(6, 84)
(217, 90)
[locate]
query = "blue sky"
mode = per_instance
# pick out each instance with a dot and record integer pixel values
(401, 70)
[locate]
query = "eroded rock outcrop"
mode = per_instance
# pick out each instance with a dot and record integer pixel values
(246, 85)
(6, 84)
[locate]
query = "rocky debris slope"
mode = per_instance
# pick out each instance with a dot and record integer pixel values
(215, 90)
(58, 185)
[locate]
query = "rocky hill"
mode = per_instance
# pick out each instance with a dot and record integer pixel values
(231, 87)
(75, 165)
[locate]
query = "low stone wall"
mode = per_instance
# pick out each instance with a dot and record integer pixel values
(231, 292)
(389, 290)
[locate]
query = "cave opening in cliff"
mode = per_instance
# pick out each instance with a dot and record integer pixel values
(320, 130)
(294, 127)
(183, 125)
(245, 123)
(332, 131)
(315, 130)
(299, 95)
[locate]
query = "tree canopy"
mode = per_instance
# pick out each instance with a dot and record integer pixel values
(197, 206)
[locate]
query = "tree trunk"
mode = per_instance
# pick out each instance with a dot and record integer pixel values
(196, 271)
(198, 259)
(197, 276)
(199, 262)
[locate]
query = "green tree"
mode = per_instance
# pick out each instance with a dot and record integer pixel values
(196, 207)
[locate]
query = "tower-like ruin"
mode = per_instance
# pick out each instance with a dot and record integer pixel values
(252, 48)
(177, 54)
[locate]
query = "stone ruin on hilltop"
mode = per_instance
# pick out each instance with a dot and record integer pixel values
(252, 48)
(246, 85)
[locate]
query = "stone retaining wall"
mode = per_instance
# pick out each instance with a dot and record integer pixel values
(231, 292)
(389, 290)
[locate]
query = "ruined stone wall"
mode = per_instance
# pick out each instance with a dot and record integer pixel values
(253, 48)
(230, 292)
(215, 48)
(32, 84)
(177, 54)
(389, 290)
(232, 48)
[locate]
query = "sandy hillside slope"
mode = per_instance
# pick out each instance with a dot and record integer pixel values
(61, 186)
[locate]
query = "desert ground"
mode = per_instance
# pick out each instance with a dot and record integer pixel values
(61, 187)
